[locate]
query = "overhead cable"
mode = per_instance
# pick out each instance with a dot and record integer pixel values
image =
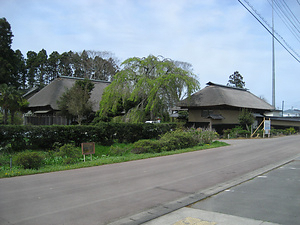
(286, 46)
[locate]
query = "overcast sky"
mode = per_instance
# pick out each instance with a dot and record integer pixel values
(217, 37)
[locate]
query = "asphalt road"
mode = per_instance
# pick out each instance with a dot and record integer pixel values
(104, 194)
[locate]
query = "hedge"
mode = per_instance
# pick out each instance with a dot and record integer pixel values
(18, 138)
(174, 140)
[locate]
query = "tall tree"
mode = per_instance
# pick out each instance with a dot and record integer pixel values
(8, 73)
(65, 64)
(75, 102)
(53, 65)
(151, 85)
(21, 68)
(236, 80)
(31, 65)
(41, 62)
(94, 65)
(103, 65)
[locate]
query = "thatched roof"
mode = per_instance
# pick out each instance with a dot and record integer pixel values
(215, 95)
(48, 96)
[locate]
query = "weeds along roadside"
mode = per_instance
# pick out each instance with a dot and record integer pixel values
(69, 157)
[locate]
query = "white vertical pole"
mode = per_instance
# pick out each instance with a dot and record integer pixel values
(273, 59)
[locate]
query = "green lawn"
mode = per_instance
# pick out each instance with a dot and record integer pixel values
(103, 155)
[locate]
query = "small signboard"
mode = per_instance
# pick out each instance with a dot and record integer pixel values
(88, 149)
(267, 126)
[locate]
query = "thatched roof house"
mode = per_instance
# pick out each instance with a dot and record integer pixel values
(44, 102)
(215, 95)
(219, 105)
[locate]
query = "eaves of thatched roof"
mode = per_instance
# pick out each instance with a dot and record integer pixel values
(48, 96)
(215, 95)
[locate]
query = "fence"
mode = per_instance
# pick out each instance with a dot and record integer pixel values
(45, 120)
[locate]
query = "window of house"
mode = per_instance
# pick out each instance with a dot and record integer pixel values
(206, 113)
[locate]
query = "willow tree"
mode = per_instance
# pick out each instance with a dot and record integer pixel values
(146, 88)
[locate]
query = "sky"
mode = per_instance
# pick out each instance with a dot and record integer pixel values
(218, 37)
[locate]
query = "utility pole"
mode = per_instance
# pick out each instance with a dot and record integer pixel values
(273, 59)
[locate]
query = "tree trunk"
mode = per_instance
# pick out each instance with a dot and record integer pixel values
(5, 116)
(12, 117)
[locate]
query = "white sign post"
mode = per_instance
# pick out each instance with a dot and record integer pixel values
(267, 127)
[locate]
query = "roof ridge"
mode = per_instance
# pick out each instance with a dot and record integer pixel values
(82, 78)
(225, 86)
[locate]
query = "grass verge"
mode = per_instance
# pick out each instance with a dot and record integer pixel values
(101, 157)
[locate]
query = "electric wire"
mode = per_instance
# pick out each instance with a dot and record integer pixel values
(295, 33)
(291, 12)
(285, 13)
(266, 25)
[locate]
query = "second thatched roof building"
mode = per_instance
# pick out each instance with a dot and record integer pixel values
(218, 106)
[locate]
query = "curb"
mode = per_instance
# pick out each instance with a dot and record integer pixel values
(159, 211)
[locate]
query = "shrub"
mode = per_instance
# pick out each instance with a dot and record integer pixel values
(289, 131)
(173, 140)
(178, 139)
(43, 137)
(146, 146)
(208, 136)
(29, 160)
(236, 132)
(70, 153)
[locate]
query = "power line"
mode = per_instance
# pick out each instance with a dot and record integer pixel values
(286, 46)
(282, 16)
(295, 18)
(288, 17)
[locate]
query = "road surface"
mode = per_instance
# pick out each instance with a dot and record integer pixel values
(104, 194)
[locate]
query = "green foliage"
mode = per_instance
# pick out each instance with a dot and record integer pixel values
(69, 153)
(76, 101)
(117, 150)
(173, 140)
(236, 132)
(52, 162)
(146, 146)
(183, 115)
(290, 130)
(29, 160)
(146, 88)
(287, 131)
(8, 68)
(236, 80)
(246, 118)
(20, 138)
(207, 137)
(178, 139)
(69, 150)
(11, 101)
